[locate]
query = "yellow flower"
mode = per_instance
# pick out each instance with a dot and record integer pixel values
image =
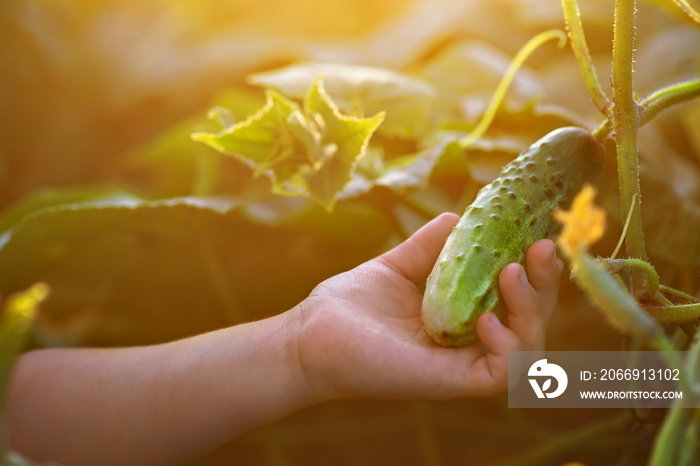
(584, 224)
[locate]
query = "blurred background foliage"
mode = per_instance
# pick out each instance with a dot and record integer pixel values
(145, 236)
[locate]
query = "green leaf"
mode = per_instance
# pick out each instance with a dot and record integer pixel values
(344, 141)
(264, 140)
(306, 152)
(360, 91)
(101, 260)
(276, 141)
(133, 271)
(413, 170)
(51, 197)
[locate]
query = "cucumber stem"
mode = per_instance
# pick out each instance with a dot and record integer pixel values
(625, 118)
(678, 293)
(666, 97)
(661, 300)
(676, 314)
(654, 104)
(648, 270)
(574, 29)
(652, 278)
(603, 131)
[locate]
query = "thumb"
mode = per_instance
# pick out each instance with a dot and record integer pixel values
(415, 257)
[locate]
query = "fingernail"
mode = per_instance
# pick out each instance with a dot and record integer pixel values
(495, 321)
(522, 277)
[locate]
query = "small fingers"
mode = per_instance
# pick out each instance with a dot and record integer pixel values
(544, 274)
(490, 373)
(531, 297)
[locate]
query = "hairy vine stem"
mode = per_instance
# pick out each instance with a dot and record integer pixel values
(625, 118)
(664, 98)
(574, 29)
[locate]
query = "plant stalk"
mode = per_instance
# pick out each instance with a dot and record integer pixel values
(676, 314)
(678, 294)
(615, 266)
(664, 98)
(655, 103)
(574, 29)
(625, 117)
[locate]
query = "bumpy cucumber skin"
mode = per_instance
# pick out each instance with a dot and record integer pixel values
(506, 217)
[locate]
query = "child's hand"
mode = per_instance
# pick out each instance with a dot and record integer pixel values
(361, 333)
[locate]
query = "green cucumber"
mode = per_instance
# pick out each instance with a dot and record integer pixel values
(506, 217)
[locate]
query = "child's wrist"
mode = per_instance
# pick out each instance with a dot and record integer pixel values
(303, 377)
(310, 380)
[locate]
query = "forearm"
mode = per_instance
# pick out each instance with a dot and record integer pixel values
(155, 405)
